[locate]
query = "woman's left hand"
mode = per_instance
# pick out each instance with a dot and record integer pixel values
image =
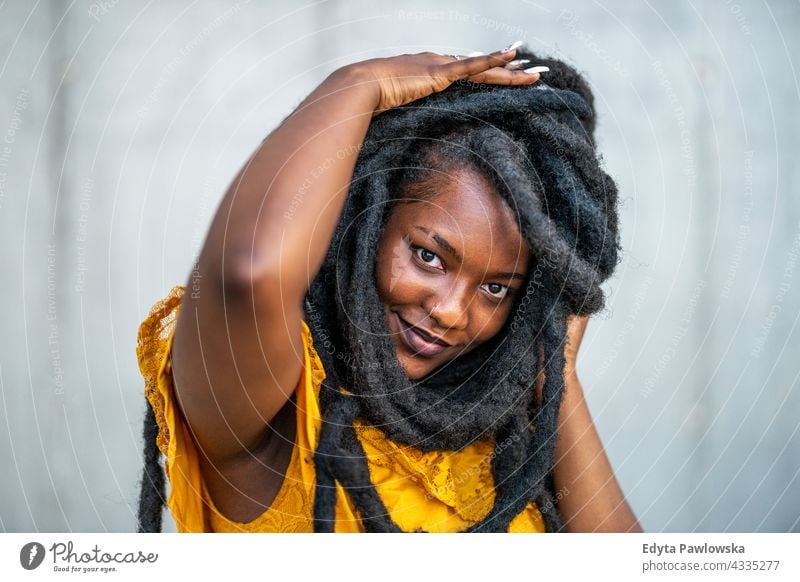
(576, 326)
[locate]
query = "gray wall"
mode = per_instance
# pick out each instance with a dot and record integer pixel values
(121, 125)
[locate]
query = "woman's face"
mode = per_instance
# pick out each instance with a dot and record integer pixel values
(448, 271)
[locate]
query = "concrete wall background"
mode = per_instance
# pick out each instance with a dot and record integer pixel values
(122, 123)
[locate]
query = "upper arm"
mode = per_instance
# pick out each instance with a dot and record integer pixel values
(237, 359)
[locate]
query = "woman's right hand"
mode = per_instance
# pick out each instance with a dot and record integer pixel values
(406, 78)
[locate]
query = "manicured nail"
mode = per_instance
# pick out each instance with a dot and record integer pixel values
(518, 63)
(475, 54)
(539, 69)
(511, 47)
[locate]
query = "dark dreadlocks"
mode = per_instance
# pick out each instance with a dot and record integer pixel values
(535, 145)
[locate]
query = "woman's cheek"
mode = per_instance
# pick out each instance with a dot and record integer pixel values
(409, 284)
(399, 266)
(489, 322)
(395, 268)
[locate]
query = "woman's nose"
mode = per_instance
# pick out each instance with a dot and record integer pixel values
(450, 309)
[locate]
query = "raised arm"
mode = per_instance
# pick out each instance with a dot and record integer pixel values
(237, 349)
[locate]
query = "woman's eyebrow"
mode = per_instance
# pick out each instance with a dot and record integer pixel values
(442, 242)
(449, 249)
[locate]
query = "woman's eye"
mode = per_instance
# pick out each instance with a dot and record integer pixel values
(497, 290)
(428, 257)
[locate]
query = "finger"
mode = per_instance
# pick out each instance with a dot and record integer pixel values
(470, 66)
(517, 64)
(502, 76)
(506, 76)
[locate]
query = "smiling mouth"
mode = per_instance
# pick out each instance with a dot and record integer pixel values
(419, 343)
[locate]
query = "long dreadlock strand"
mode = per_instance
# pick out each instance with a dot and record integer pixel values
(151, 492)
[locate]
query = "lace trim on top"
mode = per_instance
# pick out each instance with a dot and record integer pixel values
(152, 350)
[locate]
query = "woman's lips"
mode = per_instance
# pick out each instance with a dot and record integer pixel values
(417, 343)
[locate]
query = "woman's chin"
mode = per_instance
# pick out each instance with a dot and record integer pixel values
(415, 368)
(410, 367)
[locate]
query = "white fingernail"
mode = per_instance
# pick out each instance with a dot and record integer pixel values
(511, 47)
(537, 70)
(518, 63)
(475, 54)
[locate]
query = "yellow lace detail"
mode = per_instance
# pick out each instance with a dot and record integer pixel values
(152, 351)
(438, 491)
(463, 480)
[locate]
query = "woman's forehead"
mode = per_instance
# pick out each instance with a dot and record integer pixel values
(464, 199)
(471, 217)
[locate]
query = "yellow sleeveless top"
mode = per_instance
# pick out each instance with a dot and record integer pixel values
(438, 491)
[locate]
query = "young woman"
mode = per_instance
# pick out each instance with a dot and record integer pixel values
(381, 330)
